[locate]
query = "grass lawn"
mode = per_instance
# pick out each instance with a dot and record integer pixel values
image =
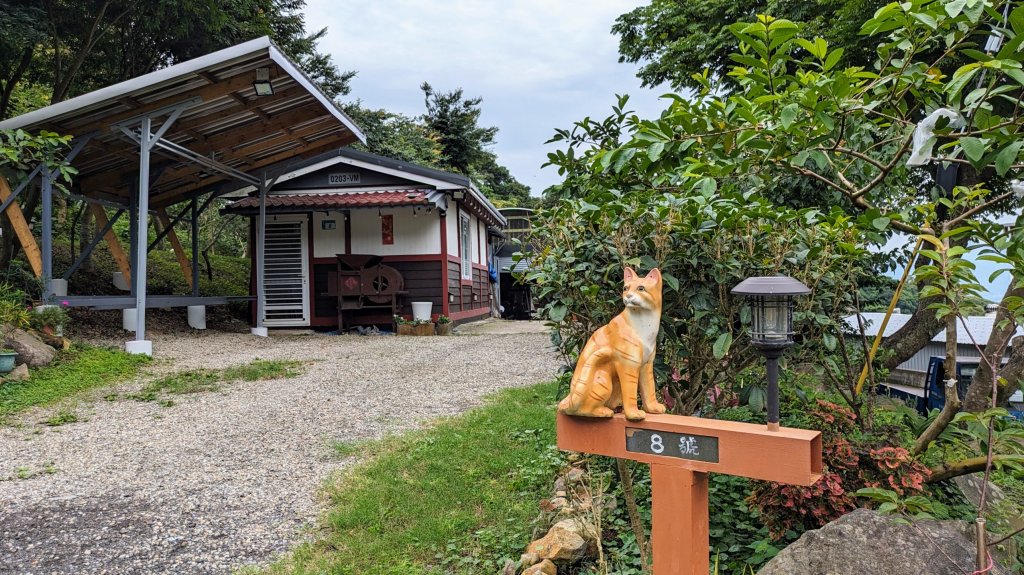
(459, 497)
(74, 371)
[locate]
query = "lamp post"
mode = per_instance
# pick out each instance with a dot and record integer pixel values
(771, 308)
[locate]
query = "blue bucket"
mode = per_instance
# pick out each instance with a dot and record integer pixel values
(7, 361)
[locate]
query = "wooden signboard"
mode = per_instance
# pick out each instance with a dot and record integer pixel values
(681, 452)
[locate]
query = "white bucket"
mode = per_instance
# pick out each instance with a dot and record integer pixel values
(128, 318)
(197, 316)
(120, 282)
(421, 310)
(59, 287)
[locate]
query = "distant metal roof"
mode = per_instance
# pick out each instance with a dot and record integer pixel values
(508, 264)
(980, 327)
(224, 120)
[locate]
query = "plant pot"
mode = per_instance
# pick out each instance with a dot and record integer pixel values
(7, 360)
(49, 330)
(405, 329)
(425, 329)
(444, 329)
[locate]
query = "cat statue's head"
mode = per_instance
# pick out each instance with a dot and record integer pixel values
(642, 293)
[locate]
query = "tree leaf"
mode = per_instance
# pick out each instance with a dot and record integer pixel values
(722, 345)
(974, 148)
(1007, 156)
(789, 114)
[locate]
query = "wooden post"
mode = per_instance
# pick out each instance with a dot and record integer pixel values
(116, 251)
(179, 251)
(21, 229)
(679, 513)
(681, 452)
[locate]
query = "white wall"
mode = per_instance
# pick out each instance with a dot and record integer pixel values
(452, 223)
(414, 235)
(328, 243)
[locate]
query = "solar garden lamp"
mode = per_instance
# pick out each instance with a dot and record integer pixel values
(771, 307)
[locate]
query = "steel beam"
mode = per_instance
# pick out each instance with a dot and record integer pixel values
(261, 232)
(209, 163)
(47, 233)
(95, 242)
(142, 227)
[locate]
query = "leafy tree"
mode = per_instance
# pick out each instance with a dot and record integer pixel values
(455, 120)
(397, 136)
(77, 46)
(671, 38)
(799, 113)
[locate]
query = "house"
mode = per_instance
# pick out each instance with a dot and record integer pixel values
(351, 238)
(912, 372)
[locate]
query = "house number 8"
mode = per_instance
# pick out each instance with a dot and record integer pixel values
(657, 444)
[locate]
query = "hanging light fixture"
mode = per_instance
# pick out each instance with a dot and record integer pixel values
(771, 308)
(262, 84)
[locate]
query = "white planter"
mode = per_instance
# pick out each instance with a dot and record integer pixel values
(128, 317)
(421, 310)
(197, 316)
(120, 282)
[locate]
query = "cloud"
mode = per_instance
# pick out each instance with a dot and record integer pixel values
(538, 65)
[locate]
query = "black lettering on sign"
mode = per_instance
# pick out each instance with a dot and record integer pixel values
(683, 446)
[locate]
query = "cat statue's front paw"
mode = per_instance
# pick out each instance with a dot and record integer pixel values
(655, 407)
(635, 414)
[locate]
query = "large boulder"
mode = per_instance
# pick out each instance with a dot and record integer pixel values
(31, 350)
(865, 542)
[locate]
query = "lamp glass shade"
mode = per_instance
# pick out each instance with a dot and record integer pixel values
(263, 88)
(772, 320)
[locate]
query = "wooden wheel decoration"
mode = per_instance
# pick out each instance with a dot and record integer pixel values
(381, 282)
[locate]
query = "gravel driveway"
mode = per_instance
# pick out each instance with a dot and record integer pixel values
(231, 478)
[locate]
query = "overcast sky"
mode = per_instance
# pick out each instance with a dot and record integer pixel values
(537, 64)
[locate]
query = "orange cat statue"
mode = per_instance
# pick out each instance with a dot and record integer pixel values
(618, 360)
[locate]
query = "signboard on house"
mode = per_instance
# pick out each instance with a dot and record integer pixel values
(344, 178)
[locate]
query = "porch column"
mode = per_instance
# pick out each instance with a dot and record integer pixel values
(47, 200)
(195, 246)
(140, 344)
(261, 232)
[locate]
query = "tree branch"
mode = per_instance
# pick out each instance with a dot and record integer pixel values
(949, 470)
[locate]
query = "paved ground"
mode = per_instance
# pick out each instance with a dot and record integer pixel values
(230, 478)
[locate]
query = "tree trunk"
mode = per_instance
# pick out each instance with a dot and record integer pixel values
(952, 405)
(979, 394)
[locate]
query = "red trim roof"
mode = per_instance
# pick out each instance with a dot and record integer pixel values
(379, 199)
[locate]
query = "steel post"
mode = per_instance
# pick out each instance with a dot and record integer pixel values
(261, 231)
(142, 228)
(195, 246)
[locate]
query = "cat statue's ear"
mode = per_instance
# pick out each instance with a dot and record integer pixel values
(629, 275)
(654, 274)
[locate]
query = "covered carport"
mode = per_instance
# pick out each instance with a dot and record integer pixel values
(174, 138)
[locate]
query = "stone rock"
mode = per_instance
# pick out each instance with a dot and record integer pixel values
(865, 542)
(574, 475)
(970, 486)
(509, 568)
(528, 559)
(19, 373)
(560, 485)
(566, 542)
(31, 350)
(545, 567)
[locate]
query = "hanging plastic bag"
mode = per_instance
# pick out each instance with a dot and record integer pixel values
(924, 139)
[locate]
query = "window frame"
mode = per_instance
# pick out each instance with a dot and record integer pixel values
(465, 247)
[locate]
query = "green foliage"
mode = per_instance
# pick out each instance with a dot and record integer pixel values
(53, 316)
(704, 243)
(62, 417)
(672, 39)
(73, 372)
(261, 369)
(457, 498)
(397, 136)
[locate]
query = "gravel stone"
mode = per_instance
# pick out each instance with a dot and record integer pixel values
(232, 478)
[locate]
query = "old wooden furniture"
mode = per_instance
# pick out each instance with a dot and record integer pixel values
(366, 289)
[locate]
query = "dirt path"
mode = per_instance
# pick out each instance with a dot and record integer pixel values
(226, 479)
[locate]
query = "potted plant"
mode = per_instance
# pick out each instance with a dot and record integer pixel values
(12, 315)
(444, 325)
(50, 319)
(403, 326)
(422, 327)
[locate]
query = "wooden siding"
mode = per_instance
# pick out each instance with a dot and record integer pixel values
(422, 281)
(463, 290)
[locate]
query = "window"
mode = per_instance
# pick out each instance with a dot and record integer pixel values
(466, 247)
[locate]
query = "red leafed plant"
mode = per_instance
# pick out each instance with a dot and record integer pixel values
(851, 461)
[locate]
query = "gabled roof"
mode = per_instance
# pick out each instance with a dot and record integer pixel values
(437, 179)
(223, 119)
